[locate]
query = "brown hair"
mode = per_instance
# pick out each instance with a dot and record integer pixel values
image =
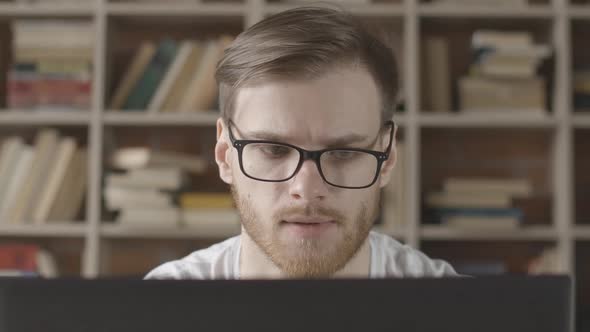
(304, 43)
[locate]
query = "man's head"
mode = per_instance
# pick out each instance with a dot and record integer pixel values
(313, 79)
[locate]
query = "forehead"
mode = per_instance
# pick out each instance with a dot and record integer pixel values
(340, 102)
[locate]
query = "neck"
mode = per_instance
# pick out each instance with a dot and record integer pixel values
(255, 264)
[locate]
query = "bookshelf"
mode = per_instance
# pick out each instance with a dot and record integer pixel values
(556, 142)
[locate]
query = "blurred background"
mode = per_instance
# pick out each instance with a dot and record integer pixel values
(107, 129)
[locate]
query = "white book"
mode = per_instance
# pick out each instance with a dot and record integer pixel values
(45, 144)
(63, 157)
(164, 87)
(482, 222)
(199, 82)
(165, 178)
(514, 187)
(468, 200)
(9, 156)
(18, 178)
(117, 198)
(142, 157)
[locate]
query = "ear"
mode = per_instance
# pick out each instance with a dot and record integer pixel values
(223, 155)
(389, 164)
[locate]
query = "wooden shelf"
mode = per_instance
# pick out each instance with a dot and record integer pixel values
(59, 10)
(113, 231)
(477, 120)
(59, 230)
(374, 10)
(579, 11)
(524, 234)
(165, 9)
(582, 232)
(581, 120)
(502, 12)
(156, 119)
(41, 118)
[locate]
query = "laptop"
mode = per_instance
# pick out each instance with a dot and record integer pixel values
(505, 304)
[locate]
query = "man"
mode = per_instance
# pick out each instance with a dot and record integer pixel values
(306, 143)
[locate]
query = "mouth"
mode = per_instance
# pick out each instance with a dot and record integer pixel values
(309, 227)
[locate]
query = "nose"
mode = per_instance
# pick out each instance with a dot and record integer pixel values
(308, 184)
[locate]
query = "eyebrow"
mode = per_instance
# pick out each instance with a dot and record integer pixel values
(329, 143)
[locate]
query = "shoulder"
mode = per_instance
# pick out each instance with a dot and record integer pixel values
(398, 260)
(215, 262)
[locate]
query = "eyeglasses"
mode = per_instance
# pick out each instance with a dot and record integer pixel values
(272, 161)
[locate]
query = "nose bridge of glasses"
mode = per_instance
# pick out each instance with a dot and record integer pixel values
(313, 156)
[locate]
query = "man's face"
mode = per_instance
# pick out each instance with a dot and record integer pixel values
(306, 226)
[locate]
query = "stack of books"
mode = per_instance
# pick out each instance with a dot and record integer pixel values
(43, 182)
(144, 197)
(171, 76)
(26, 260)
(144, 192)
(470, 203)
(212, 213)
(52, 65)
(503, 77)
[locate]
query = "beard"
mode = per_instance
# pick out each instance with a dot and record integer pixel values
(306, 258)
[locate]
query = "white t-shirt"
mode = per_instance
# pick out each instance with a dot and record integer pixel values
(389, 258)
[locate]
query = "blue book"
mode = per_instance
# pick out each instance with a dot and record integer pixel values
(146, 86)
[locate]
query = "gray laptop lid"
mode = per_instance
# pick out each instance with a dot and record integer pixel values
(507, 304)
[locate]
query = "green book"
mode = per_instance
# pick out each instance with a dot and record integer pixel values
(146, 86)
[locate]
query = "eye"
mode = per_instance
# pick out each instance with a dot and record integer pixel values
(274, 151)
(342, 154)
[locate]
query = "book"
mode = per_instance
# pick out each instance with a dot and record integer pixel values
(22, 259)
(117, 198)
(517, 188)
(206, 201)
(481, 268)
(18, 177)
(202, 89)
(146, 86)
(45, 145)
(72, 191)
(138, 65)
(479, 94)
(468, 200)
(63, 157)
(9, 156)
(132, 158)
(164, 178)
(547, 262)
(173, 73)
(482, 222)
(436, 76)
(181, 83)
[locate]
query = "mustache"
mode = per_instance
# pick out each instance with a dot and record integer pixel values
(308, 211)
